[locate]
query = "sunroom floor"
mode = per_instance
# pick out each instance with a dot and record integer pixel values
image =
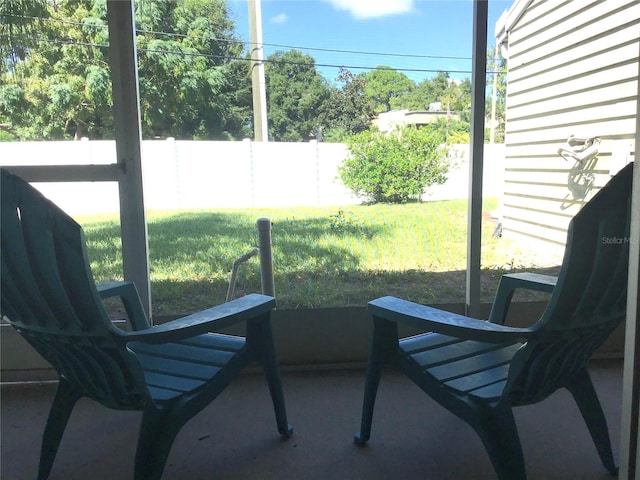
(235, 437)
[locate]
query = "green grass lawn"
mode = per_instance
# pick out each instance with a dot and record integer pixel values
(323, 257)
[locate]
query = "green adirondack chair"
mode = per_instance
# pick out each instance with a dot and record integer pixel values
(479, 370)
(169, 372)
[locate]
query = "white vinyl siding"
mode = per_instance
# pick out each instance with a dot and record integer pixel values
(572, 70)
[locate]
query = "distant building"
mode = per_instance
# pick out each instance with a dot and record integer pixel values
(389, 121)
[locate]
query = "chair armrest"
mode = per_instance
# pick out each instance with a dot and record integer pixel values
(238, 310)
(432, 319)
(130, 298)
(508, 285)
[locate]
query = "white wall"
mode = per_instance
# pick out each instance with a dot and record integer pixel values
(204, 174)
(572, 70)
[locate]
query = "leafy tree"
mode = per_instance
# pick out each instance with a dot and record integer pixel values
(384, 84)
(62, 89)
(347, 110)
(16, 25)
(61, 86)
(186, 77)
(417, 99)
(295, 95)
(456, 96)
(452, 131)
(440, 83)
(238, 95)
(395, 167)
(501, 91)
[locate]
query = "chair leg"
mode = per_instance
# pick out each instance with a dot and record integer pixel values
(157, 433)
(63, 403)
(374, 372)
(385, 338)
(586, 397)
(272, 372)
(499, 434)
(260, 343)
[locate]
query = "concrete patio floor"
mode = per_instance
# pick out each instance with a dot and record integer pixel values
(235, 437)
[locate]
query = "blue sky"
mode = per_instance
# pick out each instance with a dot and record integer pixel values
(420, 30)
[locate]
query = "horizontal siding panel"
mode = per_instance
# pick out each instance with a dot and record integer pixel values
(550, 199)
(559, 192)
(545, 155)
(535, 231)
(563, 197)
(522, 167)
(620, 109)
(603, 128)
(519, 205)
(626, 54)
(533, 13)
(563, 87)
(551, 55)
(600, 174)
(547, 13)
(580, 18)
(560, 177)
(554, 248)
(531, 166)
(564, 206)
(554, 177)
(577, 101)
(556, 222)
(541, 156)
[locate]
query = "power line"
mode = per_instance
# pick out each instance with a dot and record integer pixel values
(277, 45)
(337, 64)
(356, 52)
(206, 55)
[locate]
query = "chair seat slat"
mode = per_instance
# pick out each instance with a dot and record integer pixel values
(157, 364)
(490, 392)
(423, 341)
(445, 352)
(218, 341)
(160, 394)
(480, 379)
(172, 382)
(467, 365)
(177, 351)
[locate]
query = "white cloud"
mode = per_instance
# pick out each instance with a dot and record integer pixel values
(363, 9)
(280, 18)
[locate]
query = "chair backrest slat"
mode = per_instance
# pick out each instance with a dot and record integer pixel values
(26, 301)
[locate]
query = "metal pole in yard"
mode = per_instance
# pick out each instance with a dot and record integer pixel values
(266, 259)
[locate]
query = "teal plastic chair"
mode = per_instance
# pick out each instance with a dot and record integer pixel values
(479, 370)
(169, 372)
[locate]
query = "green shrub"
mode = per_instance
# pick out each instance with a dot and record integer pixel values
(395, 167)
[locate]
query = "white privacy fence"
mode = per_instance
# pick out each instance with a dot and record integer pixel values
(182, 174)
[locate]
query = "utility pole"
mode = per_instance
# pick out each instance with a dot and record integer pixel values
(258, 84)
